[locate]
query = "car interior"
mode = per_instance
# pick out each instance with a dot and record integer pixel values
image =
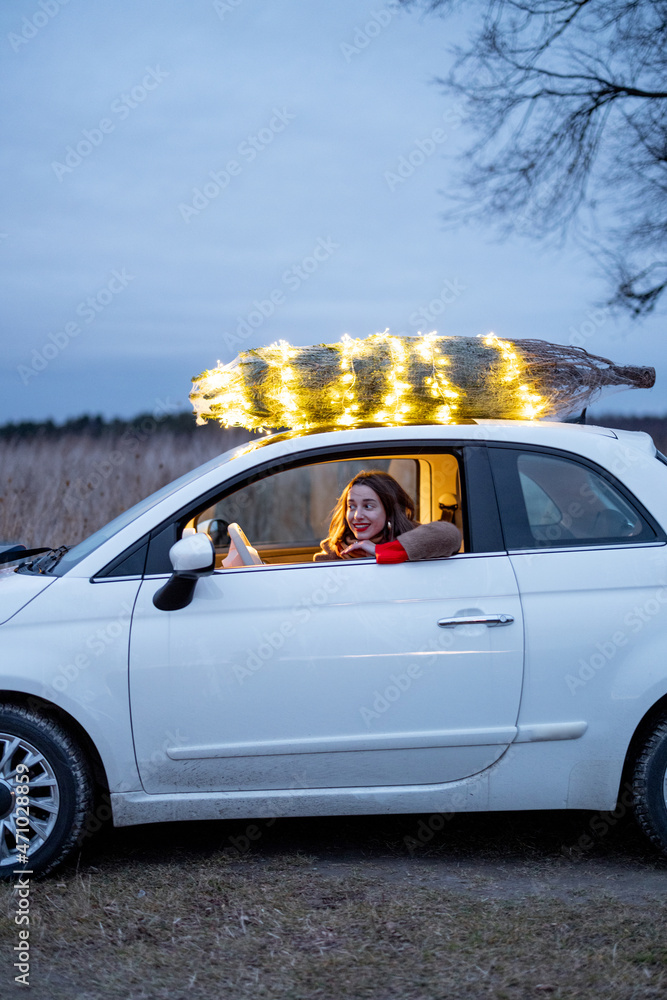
(566, 501)
(284, 516)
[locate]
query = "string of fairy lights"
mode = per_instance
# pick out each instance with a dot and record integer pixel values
(532, 404)
(381, 379)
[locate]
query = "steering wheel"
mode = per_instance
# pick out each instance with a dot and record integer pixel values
(249, 556)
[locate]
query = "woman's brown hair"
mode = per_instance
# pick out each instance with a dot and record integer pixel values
(398, 506)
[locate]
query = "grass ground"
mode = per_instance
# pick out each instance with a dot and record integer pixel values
(492, 906)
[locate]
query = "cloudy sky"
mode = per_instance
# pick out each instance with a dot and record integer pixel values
(183, 180)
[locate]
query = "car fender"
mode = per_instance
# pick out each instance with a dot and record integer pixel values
(629, 681)
(18, 589)
(70, 649)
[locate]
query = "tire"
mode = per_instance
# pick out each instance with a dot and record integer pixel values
(650, 786)
(46, 822)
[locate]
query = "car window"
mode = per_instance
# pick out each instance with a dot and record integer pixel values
(539, 505)
(550, 500)
(286, 515)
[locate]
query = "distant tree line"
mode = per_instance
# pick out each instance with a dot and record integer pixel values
(184, 423)
(97, 427)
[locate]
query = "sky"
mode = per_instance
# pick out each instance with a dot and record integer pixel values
(186, 180)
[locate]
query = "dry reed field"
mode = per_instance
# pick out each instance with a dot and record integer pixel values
(58, 490)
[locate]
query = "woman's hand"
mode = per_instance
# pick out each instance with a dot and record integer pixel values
(360, 546)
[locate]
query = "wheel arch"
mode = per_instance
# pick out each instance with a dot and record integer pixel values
(75, 729)
(642, 732)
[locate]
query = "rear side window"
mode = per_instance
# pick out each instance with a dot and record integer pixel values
(548, 500)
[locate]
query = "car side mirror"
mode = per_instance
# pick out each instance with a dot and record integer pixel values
(191, 558)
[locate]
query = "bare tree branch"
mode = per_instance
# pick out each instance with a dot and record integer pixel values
(568, 103)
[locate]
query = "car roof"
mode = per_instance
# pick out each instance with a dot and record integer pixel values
(521, 431)
(600, 444)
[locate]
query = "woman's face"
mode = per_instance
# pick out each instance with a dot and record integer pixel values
(364, 512)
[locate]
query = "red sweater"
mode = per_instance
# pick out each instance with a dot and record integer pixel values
(390, 552)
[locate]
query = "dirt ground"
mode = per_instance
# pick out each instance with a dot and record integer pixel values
(510, 905)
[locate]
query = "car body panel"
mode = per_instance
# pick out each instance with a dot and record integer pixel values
(16, 591)
(329, 671)
(70, 649)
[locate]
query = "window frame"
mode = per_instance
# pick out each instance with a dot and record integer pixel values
(514, 516)
(481, 518)
(267, 547)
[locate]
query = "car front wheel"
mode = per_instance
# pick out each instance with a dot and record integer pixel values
(45, 792)
(650, 786)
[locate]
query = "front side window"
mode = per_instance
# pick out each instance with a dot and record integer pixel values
(286, 514)
(548, 500)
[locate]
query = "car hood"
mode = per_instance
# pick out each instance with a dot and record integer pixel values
(18, 589)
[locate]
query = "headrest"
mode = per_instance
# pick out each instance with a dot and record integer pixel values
(447, 500)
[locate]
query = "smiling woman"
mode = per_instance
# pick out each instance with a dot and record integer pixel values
(364, 512)
(374, 516)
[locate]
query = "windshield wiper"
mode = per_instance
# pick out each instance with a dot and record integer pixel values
(51, 559)
(48, 558)
(20, 552)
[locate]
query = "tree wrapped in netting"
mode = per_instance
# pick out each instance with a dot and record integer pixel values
(394, 380)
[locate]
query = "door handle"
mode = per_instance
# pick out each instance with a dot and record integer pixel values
(476, 620)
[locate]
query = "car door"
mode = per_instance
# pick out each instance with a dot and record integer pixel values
(329, 675)
(589, 561)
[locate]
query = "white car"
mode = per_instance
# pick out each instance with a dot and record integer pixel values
(528, 671)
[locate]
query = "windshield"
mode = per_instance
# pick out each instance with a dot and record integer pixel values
(88, 545)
